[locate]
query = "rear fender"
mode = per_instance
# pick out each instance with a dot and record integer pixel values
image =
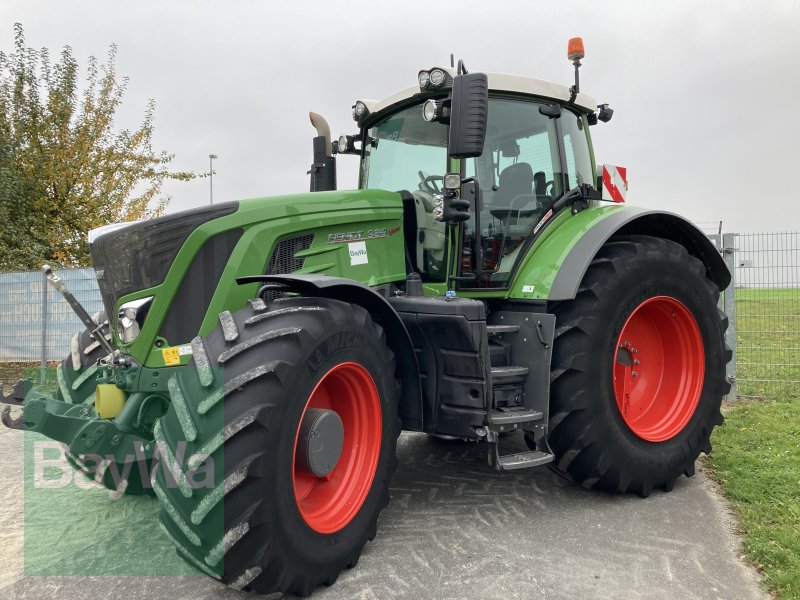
(635, 221)
(348, 290)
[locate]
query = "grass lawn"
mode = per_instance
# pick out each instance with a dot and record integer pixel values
(756, 458)
(756, 454)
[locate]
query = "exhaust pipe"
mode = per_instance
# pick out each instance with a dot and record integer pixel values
(319, 123)
(323, 169)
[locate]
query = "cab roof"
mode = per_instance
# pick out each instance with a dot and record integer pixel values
(498, 82)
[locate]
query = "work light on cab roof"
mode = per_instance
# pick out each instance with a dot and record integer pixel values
(360, 111)
(433, 79)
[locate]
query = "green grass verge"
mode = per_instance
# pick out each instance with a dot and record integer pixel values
(756, 459)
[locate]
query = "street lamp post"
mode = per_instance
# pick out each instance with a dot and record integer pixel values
(211, 158)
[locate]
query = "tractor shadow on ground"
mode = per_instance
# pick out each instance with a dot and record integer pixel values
(431, 469)
(456, 524)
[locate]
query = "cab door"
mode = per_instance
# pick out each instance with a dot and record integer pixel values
(520, 175)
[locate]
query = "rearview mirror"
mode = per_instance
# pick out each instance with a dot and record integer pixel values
(469, 110)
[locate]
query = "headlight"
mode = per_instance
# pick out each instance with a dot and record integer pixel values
(347, 144)
(437, 77)
(434, 110)
(429, 110)
(424, 79)
(360, 111)
(131, 318)
(452, 181)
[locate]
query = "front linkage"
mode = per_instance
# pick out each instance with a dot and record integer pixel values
(118, 453)
(15, 398)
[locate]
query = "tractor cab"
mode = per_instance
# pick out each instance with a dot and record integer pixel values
(520, 143)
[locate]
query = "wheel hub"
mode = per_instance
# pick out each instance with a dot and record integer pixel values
(320, 441)
(336, 449)
(659, 368)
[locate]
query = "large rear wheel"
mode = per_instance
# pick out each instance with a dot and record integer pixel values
(638, 369)
(295, 403)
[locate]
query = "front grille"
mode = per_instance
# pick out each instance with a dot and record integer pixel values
(283, 260)
(139, 256)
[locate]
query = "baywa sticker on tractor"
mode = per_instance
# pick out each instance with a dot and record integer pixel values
(358, 253)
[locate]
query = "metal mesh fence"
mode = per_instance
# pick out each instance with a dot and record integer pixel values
(763, 305)
(767, 290)
(25, 298)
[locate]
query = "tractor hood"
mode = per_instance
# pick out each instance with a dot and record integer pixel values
(274, 207)
(138, 256)
(182, 267)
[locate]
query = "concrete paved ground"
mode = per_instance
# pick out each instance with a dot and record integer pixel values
(454, 529)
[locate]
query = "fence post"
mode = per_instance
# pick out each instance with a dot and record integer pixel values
(43, 366)
(717, 241)
(729, 255)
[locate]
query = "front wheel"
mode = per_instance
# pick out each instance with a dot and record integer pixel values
(295, 403)
(638, 370)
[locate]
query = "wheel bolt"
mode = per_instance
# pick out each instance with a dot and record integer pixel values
(627, 344)
(634, 373)
(634, 350)
(636, 361)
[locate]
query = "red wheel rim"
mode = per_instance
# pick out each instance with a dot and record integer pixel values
(659, 368)
(329, 503)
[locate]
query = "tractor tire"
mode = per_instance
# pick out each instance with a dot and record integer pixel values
(638, 369)
(76, 382)
(76, 385)
(246, 402)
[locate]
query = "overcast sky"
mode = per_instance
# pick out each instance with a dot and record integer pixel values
(705, 93)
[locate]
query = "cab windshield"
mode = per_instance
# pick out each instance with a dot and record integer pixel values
(402, 151)
(406, 153)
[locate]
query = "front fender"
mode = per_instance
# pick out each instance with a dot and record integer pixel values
(349, 290)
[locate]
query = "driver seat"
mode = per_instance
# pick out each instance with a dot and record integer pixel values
(540, 184)
(515, 180)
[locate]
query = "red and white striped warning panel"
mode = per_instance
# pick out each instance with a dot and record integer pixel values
(615, 183)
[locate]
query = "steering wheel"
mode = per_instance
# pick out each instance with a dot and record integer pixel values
(429, 183)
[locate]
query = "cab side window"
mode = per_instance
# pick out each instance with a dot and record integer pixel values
(576, 147)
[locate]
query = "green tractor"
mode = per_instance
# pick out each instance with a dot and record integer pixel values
(485, 279)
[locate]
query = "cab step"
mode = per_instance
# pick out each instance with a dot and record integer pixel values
(511, 416)
(519, 460)
(509, 374)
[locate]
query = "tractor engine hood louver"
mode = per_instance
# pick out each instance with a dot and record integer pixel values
(138, 257)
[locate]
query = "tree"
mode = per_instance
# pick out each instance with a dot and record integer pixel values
(64, 169)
